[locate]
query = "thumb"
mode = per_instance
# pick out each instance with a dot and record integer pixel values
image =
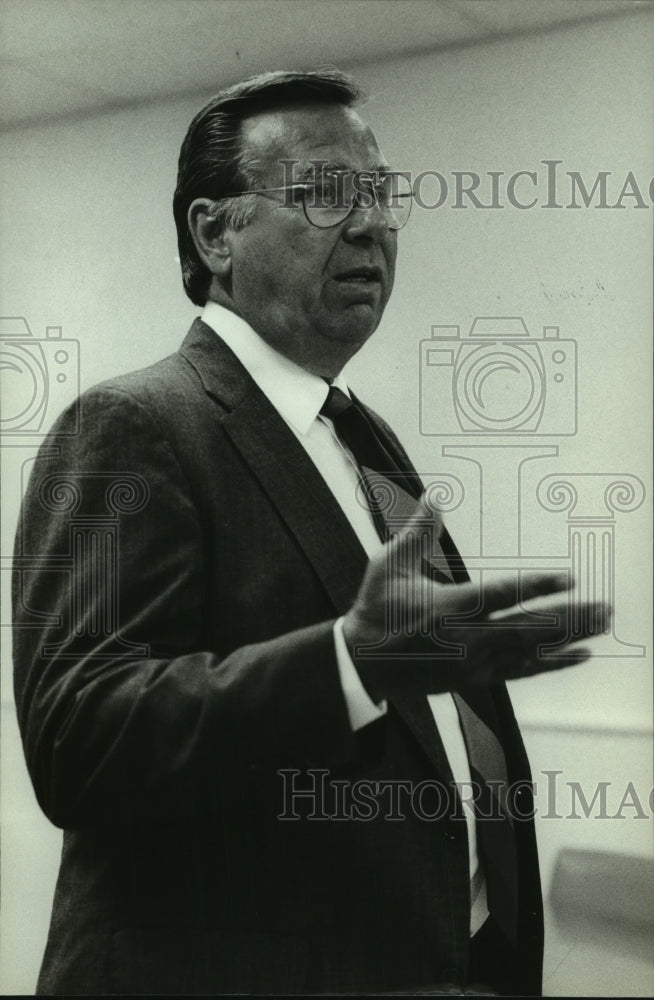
(433, 510)
(414, 540)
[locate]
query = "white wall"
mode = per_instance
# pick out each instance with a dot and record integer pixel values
(91, 248)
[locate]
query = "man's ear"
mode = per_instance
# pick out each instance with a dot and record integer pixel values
(210, 237)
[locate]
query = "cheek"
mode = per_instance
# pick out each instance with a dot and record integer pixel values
(390, 263)
(257, 274)
(296, 274)
(391, 253)
(279, 291)
(284, 269)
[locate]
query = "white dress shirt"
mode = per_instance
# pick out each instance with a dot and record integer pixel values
(298, 396)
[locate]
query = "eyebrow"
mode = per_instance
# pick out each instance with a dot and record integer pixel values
(308, 172)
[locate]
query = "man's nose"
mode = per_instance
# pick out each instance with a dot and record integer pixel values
(366, 223)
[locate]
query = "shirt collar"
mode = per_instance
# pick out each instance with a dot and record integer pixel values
(296, 394)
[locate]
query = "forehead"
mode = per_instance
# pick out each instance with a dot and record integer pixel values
(310, 132)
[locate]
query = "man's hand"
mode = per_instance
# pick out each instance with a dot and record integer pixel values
(410, 635)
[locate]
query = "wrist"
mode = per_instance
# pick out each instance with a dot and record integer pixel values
(359, 642)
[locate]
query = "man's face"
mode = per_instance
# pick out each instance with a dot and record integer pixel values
(295, 284)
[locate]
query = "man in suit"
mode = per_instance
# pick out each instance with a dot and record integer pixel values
(248, 713)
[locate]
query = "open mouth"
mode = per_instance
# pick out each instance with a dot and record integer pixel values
(360, 275)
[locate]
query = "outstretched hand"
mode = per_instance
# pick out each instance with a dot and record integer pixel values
(410, 635)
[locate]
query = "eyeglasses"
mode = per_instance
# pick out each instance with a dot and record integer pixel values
(329, 200)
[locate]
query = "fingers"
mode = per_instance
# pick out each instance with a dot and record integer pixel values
(518, 645)
(532, 666)
(506, 593)
(581, 621)
(493, 600)
(569, 622)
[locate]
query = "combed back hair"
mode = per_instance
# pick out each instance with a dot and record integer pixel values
(213, 164)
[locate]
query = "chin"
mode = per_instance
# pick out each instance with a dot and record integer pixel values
(358, 324)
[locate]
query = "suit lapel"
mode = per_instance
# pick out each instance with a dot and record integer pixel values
(280, 463)
(302, 498)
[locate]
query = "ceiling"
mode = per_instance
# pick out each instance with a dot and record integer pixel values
(62, 58)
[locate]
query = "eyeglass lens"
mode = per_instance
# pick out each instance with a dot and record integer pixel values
(331, 198)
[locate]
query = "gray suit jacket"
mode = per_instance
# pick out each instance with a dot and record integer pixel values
(179, 567)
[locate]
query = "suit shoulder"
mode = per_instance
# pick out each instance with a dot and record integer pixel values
(155, 386)
(154, 401)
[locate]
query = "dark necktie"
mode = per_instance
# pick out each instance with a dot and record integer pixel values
(391, 493)
(485, 754)
(354, 428)
(489, 774)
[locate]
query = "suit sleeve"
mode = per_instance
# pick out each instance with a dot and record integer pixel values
(122, 710)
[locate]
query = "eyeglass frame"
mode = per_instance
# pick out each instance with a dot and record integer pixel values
(305, 186)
